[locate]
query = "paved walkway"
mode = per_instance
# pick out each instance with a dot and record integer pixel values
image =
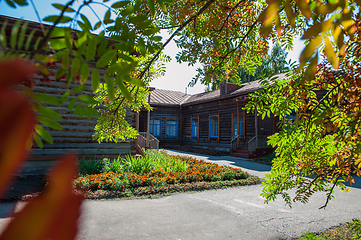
(233, 213)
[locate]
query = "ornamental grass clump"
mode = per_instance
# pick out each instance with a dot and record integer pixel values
(87, 167)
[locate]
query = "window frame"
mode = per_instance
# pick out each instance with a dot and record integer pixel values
(210, 136)
(197, 126)
(151, 130)
(238, 125)
(176, 128)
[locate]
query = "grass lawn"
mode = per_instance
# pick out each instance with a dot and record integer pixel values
(347, 231)
(156, 174)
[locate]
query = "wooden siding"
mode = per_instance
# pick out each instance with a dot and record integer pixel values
(164, 114)
(77, 132)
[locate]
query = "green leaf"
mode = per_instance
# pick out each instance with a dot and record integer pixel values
(87, 99)
(95, 79)
(138, 19)
(68, 39)
(88, 113)
(151, 6)
(129, 10)
(124, 89)
(84, 73)
(65, 61)
(37, 43)
(141, 45)
(143, 25)
(100, 37)
(134, 81)
(54, 18)
(10, 3)
(22, 35)
(317, 28)
(75, 67)
(47, 112)
(162, 5)
(93, 111)
(106, 58)
(60, 72)
(102, 46)
(64, 97)
(3, 35)
(77, 109)
(127, 69)
(28, 41)
(150, 31)
(46, 98)
(331, 55)
(79, 88)
(21, 2)
(125, 57)
(37, 140)
(61, 7)
(49, 122)
(304, 7)
(72, 104)
(97, 25)
(14, 34)
(56, 32)
(110, 86)
(58, 43)
(156, 38)
(86, 22)
(120, 4)
(82, 111)
(91, 49)
(107, 19)
(44, 134)
(81, 40)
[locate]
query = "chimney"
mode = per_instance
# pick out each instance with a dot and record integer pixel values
(227, 87)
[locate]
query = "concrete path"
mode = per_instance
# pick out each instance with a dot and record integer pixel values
(233, 213)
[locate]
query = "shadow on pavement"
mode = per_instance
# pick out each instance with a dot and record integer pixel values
(241, 163)
(226, 160)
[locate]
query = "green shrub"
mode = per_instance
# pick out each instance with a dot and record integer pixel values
(115, 166)
(137, 164)
(161, 160)
(92, 166)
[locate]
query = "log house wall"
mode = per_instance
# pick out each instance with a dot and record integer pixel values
(77, 132)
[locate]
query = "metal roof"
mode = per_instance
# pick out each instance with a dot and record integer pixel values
(173, 98)
(167, 97)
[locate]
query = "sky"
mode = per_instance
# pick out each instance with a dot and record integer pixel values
(177, 75)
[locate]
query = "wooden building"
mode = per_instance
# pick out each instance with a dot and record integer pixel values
(212, 120)
(77, 132)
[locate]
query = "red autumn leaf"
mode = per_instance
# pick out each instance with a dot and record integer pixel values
(52, 215)
(15, 71)
(16, 126)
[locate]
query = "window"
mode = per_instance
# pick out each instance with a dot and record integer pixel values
(155, 127)
(213, 127)
(235, 126)
(194, 128)
(171, 128)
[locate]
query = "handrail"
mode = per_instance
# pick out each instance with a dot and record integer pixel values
(147, 140)
(252, 139)
(234, 138)
(234, 146)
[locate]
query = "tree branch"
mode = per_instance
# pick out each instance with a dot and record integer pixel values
(45, 39)
(180, 28)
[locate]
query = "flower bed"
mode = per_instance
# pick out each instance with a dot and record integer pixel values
(199, 175)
